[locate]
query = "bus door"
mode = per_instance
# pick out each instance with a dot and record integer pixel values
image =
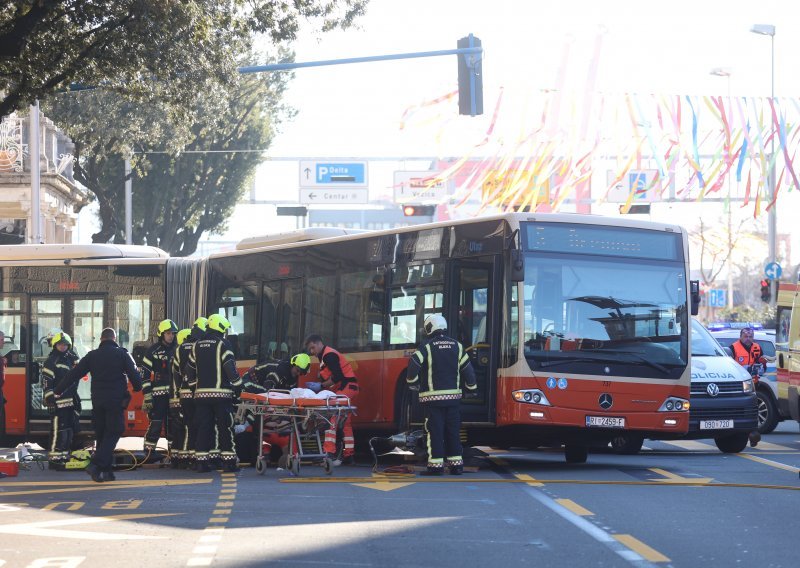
(82, 317)
(281, 309)
(13, 420)
(472, 315)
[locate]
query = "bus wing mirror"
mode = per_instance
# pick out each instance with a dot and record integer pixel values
(694, 293)
(517, 266)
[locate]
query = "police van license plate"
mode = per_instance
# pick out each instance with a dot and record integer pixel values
(605, 421)
(715, 424)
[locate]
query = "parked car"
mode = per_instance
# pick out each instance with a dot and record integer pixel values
(769, 413)
(722, 402)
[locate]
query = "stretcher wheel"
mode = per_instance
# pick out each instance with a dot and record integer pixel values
(261, 465)
(327, 464)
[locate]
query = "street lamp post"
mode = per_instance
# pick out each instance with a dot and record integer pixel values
(772, 220)
(726, 72)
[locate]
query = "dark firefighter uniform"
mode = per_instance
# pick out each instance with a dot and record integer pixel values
(212, 371)
(186, 391)
(156, 382)
(437, 367)
(63, 407)
(178, 422)
(273, 375)
(111, 367)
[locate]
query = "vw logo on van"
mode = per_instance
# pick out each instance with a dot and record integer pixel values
(605, 401)
(712, 389)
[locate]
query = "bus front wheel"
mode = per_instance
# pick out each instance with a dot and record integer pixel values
(575, 453)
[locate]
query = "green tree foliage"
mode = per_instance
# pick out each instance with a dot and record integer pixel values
(142, 48)
(186, 180)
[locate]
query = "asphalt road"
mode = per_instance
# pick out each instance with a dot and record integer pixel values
(675, 504)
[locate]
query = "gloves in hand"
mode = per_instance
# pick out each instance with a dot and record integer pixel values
(49, 400)
(413, 388)
(239, 428)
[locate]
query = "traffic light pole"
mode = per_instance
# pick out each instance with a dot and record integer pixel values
(368, 59)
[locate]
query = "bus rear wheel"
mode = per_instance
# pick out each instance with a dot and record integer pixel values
(576, 453)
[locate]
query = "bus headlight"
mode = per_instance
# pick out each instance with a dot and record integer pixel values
(531, 396)
(747, 386)
(674, 403)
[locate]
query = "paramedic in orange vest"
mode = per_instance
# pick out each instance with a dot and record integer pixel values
(336, 375)
(747, 352)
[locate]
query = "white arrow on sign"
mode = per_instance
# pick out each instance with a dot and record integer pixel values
(44, 528)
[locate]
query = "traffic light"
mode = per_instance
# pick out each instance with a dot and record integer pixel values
(470, 78)
(766, 293)
(419, 210)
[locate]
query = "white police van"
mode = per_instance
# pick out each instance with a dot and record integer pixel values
(723, 399)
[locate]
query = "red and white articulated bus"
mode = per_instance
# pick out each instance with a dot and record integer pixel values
(80, 289)
(577, 326)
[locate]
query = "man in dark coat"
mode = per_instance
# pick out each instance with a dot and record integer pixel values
(111, 367)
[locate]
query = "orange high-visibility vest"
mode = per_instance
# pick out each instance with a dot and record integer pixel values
(744, 357)
(326, 373)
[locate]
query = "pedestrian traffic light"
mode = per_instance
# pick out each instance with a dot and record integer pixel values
(419, 210)
(470, 78)
(766, 293)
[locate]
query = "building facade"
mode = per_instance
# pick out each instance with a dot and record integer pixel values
(60, 198)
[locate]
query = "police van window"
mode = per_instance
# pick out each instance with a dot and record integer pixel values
(319, 306)
(360, 311)
(703, 345)
(132, 320)
(11, 326)
(239, 305)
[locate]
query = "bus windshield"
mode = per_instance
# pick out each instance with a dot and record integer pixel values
(605, 314)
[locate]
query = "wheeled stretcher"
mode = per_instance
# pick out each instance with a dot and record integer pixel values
(304, 420)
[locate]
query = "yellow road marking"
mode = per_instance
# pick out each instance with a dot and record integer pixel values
(641, 548)
(224, 503)
(218, 520)
(106, 486)
(221, 512)
(771, 447)
(776, 465)
(139, 482)
(531, 480)
(690, 482)
(378, 483)
(574, 507)
(675, 478)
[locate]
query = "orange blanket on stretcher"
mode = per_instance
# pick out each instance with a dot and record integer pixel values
(284, 400)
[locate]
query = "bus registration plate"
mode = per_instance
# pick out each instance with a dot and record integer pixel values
(715, 424)
(605, 421)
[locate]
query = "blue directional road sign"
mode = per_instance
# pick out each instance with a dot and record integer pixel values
(717, 298)
(316, 174)
(773, 270)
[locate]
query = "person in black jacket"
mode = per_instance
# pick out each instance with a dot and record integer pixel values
(441, 361)
(211, 370)
(111, 367)
(156, 383)
(281, 375)
(62, 409)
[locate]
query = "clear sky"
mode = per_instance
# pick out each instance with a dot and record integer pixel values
(645, 47)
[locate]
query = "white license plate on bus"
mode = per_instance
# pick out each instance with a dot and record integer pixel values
(605, 421)
(715, 424)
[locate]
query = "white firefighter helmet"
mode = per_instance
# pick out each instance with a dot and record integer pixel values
(434, 322)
